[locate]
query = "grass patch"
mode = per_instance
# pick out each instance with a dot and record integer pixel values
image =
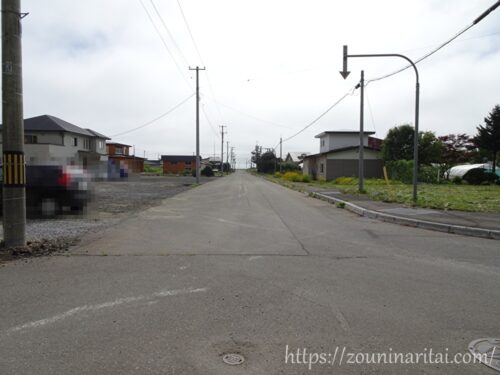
(153, 170)
(441, 196)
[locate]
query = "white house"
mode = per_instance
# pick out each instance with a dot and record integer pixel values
(339, 156)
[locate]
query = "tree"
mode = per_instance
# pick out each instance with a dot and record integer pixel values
(457, 149)
(398, 145)
(488, 136)
(267, 162)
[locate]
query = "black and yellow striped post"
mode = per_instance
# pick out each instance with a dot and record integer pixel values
(14, 170)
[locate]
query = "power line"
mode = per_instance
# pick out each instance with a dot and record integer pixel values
(165, 45)
(349, 93)
(155, 119)
(199, 55)
(432, 52)
(442, 45)
(168, 32)
(249, 115)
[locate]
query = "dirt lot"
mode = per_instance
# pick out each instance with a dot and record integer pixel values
(112, 202)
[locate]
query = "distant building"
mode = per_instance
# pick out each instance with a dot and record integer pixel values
(119, 156)
(48, 139)
(178, 163)
(295, 157)
(339, 156)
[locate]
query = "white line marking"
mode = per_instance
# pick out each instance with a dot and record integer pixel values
(105, 305)
(255, 257)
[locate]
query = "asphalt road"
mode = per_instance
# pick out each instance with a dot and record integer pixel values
(242, 265)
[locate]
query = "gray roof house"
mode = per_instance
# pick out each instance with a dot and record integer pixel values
(339, 155)
(48, 139)
(295, 157)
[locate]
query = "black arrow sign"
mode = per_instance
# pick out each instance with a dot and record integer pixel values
(344, 73)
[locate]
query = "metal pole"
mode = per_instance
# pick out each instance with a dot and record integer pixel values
(361, 172)
(14, 170)
(417, 101)
(415, 142)
(197, 125)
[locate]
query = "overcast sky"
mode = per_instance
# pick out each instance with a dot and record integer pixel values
(272, 67)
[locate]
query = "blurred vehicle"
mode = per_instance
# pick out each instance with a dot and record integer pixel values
(54, 189)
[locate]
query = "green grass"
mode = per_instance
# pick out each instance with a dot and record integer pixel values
(440, 196)
(154, 170)
(447, 196)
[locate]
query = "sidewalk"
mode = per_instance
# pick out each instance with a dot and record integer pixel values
(477, 224)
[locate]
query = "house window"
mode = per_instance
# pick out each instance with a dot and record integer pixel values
(321, 168)
(173, 162)
(118, 150)
(30, 139)
(101, 144)
(86, 144)
(75, 141)
(188, 163)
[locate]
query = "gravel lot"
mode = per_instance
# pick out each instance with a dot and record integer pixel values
(112, 202)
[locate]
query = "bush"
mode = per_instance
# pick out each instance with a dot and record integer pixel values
(278, 175)
(207, 171)
(289, 167)
(346, 181)
(152, 169)
(401, 170)
(479, 176)
(293, 176)
(428, 174)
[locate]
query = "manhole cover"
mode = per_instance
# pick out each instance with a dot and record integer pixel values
(233, 359)
(487, 351)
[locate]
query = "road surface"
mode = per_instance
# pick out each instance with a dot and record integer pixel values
(245, 266)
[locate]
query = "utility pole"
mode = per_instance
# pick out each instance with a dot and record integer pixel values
(281, 155)
(197, 121)
(227, 154)
(14, 170)
(222, 149)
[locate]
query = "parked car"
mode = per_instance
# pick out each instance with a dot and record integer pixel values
(54, 189)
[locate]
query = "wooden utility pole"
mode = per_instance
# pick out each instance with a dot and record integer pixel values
(227, 154)
(197, 122)
(14, 170)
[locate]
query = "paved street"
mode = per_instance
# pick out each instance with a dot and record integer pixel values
(242, 265)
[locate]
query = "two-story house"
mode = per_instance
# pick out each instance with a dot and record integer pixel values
(339, 156)
(48, 139)
(119, 155)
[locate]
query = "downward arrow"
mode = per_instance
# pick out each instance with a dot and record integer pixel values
(344, 73)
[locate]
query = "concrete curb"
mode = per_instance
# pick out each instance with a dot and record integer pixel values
(440, 227)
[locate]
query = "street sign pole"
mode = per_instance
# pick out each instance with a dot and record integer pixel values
(345, 73)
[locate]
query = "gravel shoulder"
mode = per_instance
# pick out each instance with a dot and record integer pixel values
(112, 202)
